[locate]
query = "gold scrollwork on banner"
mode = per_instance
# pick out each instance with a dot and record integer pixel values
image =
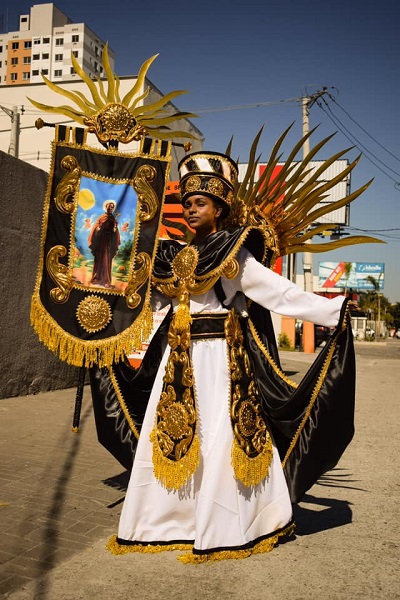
(147, 197)
(93, 313)
(59, 274)
(69, 184)
(137, 279)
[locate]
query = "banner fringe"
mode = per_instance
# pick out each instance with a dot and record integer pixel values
(86, 353)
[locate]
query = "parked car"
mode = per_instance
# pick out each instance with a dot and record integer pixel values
(321, 333)
(397, 334)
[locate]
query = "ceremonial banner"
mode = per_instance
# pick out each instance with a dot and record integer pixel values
(91, 303)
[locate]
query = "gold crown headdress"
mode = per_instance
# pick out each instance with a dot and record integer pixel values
(209, 173)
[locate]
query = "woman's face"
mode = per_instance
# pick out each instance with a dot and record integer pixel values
(201, 214)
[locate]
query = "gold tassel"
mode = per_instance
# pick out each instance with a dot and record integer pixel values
(170, 473)
(182, 318)
(262, 547)
(119, 549)
(250, 471)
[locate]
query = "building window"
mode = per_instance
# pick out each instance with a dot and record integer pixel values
(36, 41)
(58, 73)
(46, 40)
(27, 60)
(58, 57)
(59, 41)
(45, 71)
(35, 73)
(13, 76)
(28, 44)
(35, 56)
(72, 71)
(14, 61)
(1, 64)
(75, 38)
(24, 19)
(15, 45)
(75, 53)
(45, 56)
(25, 75)
(1, 48)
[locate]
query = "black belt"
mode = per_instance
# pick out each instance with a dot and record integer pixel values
(206, 326)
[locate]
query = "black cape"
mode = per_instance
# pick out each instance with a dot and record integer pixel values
(312, 423)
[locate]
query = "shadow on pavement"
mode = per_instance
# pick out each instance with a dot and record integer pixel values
(322, 514)
(51, 531)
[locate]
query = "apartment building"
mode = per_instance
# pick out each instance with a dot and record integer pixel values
(43, 45)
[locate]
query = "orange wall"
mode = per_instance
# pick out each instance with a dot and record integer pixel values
(20, 53)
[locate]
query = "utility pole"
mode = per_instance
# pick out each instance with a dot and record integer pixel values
(15, 129)
(308, 338)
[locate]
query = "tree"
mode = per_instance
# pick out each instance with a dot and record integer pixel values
(348, 267)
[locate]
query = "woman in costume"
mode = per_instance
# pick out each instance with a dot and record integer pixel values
(227, 441)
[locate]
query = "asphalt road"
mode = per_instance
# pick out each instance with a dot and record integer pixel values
(61, 498)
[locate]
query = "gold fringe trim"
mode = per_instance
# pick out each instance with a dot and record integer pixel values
(122, 403)
(85, 353)
(314, 395)
(269, 358)
(119, 549)
(250, 471)
(170, 473)
(261, 548)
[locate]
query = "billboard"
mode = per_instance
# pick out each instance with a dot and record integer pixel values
(352, 275)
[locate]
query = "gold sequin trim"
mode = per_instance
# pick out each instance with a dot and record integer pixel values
(262, 547)
(119, 549)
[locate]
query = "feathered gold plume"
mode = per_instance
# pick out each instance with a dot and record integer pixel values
(286, 204)
(113, 118)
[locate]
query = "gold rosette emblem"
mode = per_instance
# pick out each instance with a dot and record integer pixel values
(93, 313)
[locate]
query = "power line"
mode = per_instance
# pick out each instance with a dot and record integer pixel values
(364, 130)
(242, 106)
(343, 129)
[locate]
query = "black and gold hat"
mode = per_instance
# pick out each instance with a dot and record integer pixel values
(209, 173)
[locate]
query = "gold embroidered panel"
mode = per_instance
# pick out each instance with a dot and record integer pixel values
(102, 212)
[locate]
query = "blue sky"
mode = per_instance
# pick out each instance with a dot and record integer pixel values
(271, 53)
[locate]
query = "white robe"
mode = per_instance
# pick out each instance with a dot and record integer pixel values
(213, 510)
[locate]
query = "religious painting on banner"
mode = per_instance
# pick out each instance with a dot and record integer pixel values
(102, 214)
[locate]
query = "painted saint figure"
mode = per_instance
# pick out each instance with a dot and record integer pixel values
(104, 241)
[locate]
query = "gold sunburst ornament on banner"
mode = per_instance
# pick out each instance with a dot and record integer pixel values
(112, 118)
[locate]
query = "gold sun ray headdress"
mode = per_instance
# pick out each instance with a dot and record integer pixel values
(289, 203)
(113, 118)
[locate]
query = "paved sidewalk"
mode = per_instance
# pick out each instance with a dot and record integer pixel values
(61, 495)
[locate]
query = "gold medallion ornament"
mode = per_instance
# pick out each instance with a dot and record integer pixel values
(176, 446)
(93, 313)
(252, 445)
(193, 184)
(215, 186)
